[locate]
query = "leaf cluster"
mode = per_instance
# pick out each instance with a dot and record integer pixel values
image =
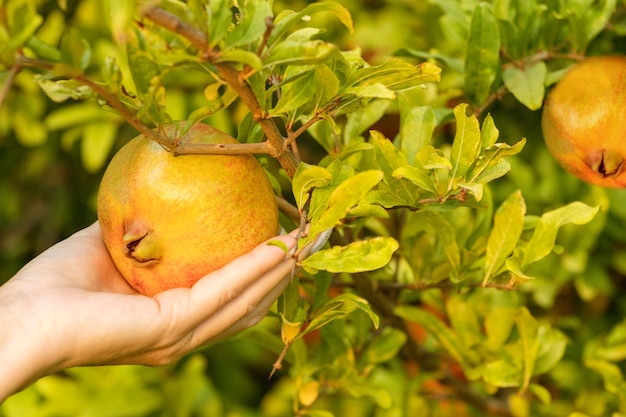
(444, 237)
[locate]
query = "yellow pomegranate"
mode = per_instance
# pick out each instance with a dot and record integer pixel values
(168, 220)
(584, 121)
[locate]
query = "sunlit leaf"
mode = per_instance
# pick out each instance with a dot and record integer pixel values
(338, 308)
(482, 56)
(296, 94)
(507, 229)
(544, 236)
(418, 125)
(96, 144)
(287, 19)
(243, 57)
(490, 164)
(342, 199)
(395, 74)
(306, 177)
(219, 20)
(251, 23)
(299, 53)
(466, 145)
(417, 176)
(360, 256)
(62, 90)
(389, 160)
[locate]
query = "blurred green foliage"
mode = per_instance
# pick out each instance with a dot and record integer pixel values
(555, 346)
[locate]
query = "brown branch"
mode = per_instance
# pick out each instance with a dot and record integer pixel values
(116, 104)
(172, 23)
(8, 83)
(234, 79)
(184, 148)
(275, 138)
(289, 209)
(298, 132)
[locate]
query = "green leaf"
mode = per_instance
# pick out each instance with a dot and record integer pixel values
(507, 229)
(251, 23)
(448, 339)
(447, 238)
(389, 160)
(120, 16)
(544, 236)
(299, 53)
(73, 115)
(552, 345)
(376, 90)
(489, 133)
(296, 94)
(527, 84)
(338, 308)
(360, 389)
(464, 320)
(597, 17)
(500, 317)
(417, 176)
(527, 327)
(360, 256)
(243, 57)
(395, 74)
(503, 372)
(416, 129)
(541, 392)
(97, 142)
(75, 50)
(219, 20)
(490, 164)
(306, 178)
(611, 373)
(288, 18)
(341, 200)
(385, 346)
(62, 90)
(466, 145)
(482, 59)
(22, 20)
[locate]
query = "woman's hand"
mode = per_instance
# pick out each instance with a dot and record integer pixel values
(70, 307)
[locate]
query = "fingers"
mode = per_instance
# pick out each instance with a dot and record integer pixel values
(248, 309)
(220, 299)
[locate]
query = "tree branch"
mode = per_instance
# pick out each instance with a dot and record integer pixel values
(4, 92)
(232, 76)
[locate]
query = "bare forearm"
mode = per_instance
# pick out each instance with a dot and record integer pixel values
(22, 358)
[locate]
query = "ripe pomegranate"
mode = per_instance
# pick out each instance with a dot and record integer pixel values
(168, 220)
(583, 121)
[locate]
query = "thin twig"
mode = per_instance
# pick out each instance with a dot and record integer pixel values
(184, 148)
(298, 132)
(15, 69)
(174, 24)
(235, 80)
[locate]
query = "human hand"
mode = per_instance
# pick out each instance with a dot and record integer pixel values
(71, 307)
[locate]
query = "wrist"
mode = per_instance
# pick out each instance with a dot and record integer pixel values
(23, 356)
